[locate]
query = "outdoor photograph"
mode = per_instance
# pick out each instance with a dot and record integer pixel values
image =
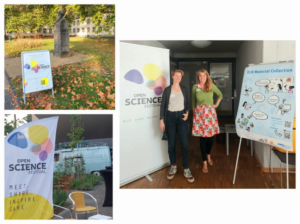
(58, 166)
(207, 114)
(59, 57)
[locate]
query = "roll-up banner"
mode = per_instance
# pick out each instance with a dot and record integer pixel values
(145, 72)
(29, 152)
(267, 105)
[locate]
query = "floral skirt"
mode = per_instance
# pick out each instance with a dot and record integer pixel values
(205, 121)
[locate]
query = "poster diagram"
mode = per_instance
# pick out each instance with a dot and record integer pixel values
(36, 71)
(267, 104)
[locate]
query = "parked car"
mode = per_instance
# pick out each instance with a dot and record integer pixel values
(96, 158)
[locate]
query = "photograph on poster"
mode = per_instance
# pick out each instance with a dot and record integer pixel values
(186, 106)
(58, 166)
(59, 57)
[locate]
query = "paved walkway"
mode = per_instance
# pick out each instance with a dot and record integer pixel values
(99, 193)
(8, 97)
(13, 65)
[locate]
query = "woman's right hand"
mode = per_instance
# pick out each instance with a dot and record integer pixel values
(162, 125)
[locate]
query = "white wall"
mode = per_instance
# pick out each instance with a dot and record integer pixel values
(274, 51)
(250, 52)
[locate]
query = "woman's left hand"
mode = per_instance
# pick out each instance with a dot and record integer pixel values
(185, 116)
(214, 106)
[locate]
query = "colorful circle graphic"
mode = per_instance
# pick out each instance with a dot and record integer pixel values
(33, 63)
(36, 149)
(38, 134)
(134, 76)
(44, 81)
(152, 71)
(27, 66)
(47, 145)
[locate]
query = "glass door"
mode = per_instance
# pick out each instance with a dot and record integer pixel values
(221, 74)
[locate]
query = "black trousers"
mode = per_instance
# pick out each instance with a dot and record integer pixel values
(205, 146)
(175, 122)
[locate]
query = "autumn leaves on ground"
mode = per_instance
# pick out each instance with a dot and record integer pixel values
(89, 84)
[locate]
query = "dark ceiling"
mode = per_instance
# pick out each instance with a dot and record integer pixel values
(185, 46)
(95, 126)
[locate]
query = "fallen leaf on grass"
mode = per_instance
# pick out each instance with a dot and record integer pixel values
(48, 107)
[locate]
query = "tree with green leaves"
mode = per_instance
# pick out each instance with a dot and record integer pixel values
(24, 18)
(76, 132)
(11, 125)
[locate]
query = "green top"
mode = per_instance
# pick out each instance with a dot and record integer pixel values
(199, 97)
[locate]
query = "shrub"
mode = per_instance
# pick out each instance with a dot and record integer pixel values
(59, 196)
(76, 183)
(86, 186)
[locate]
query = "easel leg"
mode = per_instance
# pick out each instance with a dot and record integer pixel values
(24, 99)
(52, 93)
(237, 161)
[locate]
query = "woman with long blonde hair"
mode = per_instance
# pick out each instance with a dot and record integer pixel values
(205, 121)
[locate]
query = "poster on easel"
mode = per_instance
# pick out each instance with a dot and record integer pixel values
(267, 105)
(36, 71)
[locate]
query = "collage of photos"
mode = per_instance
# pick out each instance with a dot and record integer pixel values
(126, 103)
(59, 57)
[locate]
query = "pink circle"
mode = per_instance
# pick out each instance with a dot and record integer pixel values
(47, 146)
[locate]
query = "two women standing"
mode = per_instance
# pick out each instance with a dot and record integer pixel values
(174, 114)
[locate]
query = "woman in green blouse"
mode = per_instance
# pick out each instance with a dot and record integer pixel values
(205, 121)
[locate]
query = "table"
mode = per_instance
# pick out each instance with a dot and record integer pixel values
(108, 176)
(229, 128)
(99, 217)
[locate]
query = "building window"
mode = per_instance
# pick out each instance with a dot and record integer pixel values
(50, 30)
(39, 30)
(88, 21)
(82, 29)
(74, 30)
(74, 23)
(44, 31)
(88, 29)
(78, 30)
(94, 29)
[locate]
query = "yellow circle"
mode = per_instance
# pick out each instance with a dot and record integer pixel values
(28, 206)
(24, 81)
(38, 134)
(44, 81)
(33, 63)
(152, 71)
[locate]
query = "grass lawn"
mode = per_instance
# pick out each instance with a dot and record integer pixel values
(89, 84)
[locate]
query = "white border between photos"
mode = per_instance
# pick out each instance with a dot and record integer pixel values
(188, 20)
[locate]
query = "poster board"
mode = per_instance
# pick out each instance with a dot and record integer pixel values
(144, 73)
(29, 159)
(267, 105)
(36, 71)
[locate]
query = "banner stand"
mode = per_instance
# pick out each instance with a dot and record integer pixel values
(238, 154)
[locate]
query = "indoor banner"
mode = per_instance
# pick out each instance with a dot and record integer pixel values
(29, 152)
(144, 73)
(267, 104)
